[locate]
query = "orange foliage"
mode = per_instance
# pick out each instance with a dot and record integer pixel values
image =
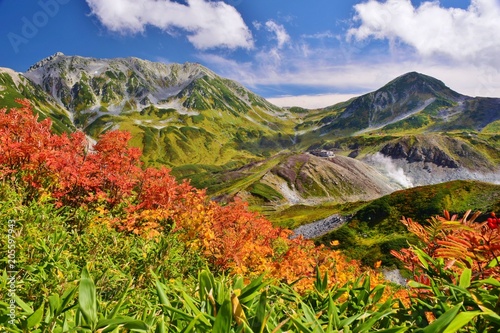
(37, 160)
(109, 177)
(461, 243)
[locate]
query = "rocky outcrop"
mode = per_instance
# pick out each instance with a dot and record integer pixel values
(431, 158)
(314, 179)
(401, 150)
(322, 153)
(440, 150)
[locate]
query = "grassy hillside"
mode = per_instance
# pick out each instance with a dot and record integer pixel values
(13, 86)
(375, 228)
(97, 243)
(177, 114)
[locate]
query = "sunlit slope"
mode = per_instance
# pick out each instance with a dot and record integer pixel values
(15, 86)
(412, 103)
(178, 114)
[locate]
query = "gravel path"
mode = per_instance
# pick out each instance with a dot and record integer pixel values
(320, 227)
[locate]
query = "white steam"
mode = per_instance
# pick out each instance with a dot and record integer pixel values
(385, 165)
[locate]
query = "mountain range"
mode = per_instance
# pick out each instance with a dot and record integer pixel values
(412, 131)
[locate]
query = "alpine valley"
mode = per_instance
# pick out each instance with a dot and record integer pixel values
(295, 165)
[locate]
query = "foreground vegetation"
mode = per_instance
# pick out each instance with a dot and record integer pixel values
(374, 229)
(97, 243)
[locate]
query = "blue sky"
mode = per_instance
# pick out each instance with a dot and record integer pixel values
(308, 53)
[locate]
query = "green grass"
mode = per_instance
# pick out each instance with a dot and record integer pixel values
(243, 178)
(375, 228)
(414, 124)
(492, 128)
(264, 191)
(212, 137)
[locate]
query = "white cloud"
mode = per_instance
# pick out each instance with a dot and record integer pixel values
(320, 35)
(310, 101)
(280, 33)
(355, 78)
(464, 35)
(257, 25)
(209, 24)
(454, 45)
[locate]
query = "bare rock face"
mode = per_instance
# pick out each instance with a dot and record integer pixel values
(433, 154)
(430, 159)
(320, 227)
(313, 179)
(442, 151)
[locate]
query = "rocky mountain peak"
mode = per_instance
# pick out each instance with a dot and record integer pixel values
(46, 61)
(417, 83)
(405, 96)
(86, 84)
(161, 104)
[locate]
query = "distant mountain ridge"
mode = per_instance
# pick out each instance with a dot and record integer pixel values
(411, 101)
(412, 131)
(178, 114)
(121, 84)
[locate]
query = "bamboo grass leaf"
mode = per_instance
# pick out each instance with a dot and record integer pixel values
(224, 318)
(120, 302)
(461, 320)
(87, 298)
(440, 324)
(35, 318)
(23, 305)
(465, 278)
(258, 322)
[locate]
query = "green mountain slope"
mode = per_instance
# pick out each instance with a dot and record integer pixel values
(14, 86)
(412, 131)
(375, 228)
(409, 103)
(178, 114)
